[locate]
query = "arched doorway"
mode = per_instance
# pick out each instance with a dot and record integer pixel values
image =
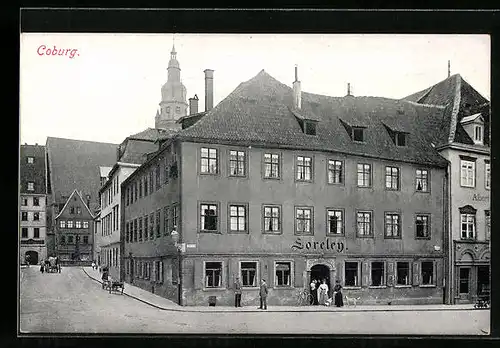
(31, 256)
(320, 272)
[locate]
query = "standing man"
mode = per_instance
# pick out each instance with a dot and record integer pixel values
(237, 292)
(314, 292)
(263, 294)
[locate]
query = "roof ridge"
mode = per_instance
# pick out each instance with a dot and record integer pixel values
(80, 140)
(456, 108)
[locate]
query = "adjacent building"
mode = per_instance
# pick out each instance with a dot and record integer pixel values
(32, 226)
(290, 186)
(462, 136)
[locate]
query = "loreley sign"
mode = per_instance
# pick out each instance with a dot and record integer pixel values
(327, 244)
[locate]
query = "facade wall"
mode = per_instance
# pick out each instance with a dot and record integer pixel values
(29, 241)
(287, 193)
(469, 253)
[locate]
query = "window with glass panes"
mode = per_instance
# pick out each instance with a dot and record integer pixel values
(63, 240)
(283, 273)
(422, 226)
(85, 224)
(335, 222)
(36, 232)
(36, 202)
(166, 222)
(237, 218)
(141, 187)
(272, 219)
(175, 214)
(271, 165)
(402, 273)
(303, 168)
(85, 239)
(213, 274)
(151, 226)
(334, 172)
(78, 224)
(135, 230)
(166, 165)
(151, 181)
(127, 236)
(467, 173)
(364, 175)
(249, 273)
(237, 163)
(140, 229)
(487, 224)
(377, 273)
(70, 224)
(146, 227)
(392, 178)
(364, 223)
(303, 220)
(422, 180)
(351, 276)
(24, 232)
(208, 215)
(208, 160)
(427, 270)
(158, 176)
(24, 216)
(158, 219)
(468, 226)
(487, 175)
(145, 181)
(392, 225)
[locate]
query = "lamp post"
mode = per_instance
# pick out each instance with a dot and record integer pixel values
(180, 248)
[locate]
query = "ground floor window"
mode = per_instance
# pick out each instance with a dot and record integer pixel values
(283, 273)
(213, 274)
(158, 269)
(427, 270)
(351, 275)
(249, 273)
(464, 280)
(402, 273)
(377, 273)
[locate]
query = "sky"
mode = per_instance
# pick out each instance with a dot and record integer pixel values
(107, 86)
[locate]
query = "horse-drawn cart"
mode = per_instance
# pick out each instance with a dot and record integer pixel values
(52, 266)
(113, 285)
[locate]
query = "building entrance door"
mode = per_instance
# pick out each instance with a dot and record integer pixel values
(31, 256)
(320, 272)
(464, 283)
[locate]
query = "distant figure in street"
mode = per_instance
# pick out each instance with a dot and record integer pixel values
(237, 292)
(323, 293)
(263, 294)
(93, 265)
(27, 260)
(42, 267)
(337, 290)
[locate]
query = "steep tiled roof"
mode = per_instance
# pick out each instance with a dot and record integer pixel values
(32, 172)
(75, 164)
(148, 134)
(460, 100)
(258, 112)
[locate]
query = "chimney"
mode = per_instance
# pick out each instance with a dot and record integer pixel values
(209, 89)
(297, 96)
(448, 68)
(193, 105)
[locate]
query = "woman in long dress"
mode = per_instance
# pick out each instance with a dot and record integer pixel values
(339, 301)
(323, 293)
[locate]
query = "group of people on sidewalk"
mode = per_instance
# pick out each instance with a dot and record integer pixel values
(320, 292)
(238, 286)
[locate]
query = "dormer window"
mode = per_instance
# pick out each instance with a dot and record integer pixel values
(357, 134)
(310, 127)
(474, 126)
(399, 139)
(478, 134)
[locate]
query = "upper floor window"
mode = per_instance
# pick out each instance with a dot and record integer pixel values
(303, 220)
(468, 226)
(78, 224)
(422, 226)
(62, 224)
(145, 185)
(36, 202)
(24, 202)
(24, 216)
(392, 178)
(30, 159)
(304, 168)
(487, 175)
(272, 219)
(71, 210)
(487, 223)
(78, 210)
(175, 215)
(467, 173)
(422, 180)
(151, 181)
(364, 223)
(70, 224)
(31, 186)
(167, 109)
(358, 134)
(209, 159)
(85, 239)
(237, 163)
(157, 223)
(364, 175)
(478, 134)
(36, 216)
(271, 165)
(158, 176)
(85, 224)
(334, 172)
(392, 225)
(238, 218)
(335, 222)
(208, 215)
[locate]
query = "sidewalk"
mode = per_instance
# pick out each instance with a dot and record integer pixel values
(165, 304)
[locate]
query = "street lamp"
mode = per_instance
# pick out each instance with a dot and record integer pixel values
(180, 248)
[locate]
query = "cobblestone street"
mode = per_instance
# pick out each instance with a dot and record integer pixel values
(71, 302)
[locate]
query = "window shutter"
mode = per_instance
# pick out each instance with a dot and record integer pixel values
(416, 274)
(199, 277)
(365, 274)
(299, 268)
(390, 273)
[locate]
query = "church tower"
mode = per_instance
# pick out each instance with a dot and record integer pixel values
(173, 103)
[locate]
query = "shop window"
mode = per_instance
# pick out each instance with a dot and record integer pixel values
(209, 217)
(249, 273)
(237, 163)
(392, 178)
(402, 273)
(377, 273)
(213, 274)
(209, 160)
(24, 216)
(335, 222)
(392, 225)
(36, 232)
(422, 180)
(351, 276)
(283, 273)
(272, 219)
(422, 226)
(464, 280)
(335, 172)
(271, 166)
(364, 175)
(364, 223)
(24, 232)
(303, 168)
(427, 270)
(303, 221)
